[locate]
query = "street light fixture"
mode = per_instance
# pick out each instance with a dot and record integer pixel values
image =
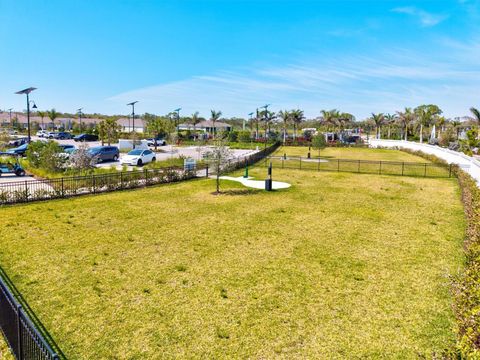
(266, 116)
(27, 92)
(132, 104)
(177, 119)
(10, 115)
(79, 112)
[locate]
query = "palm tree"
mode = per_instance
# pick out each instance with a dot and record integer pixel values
(52, 114)
(214, 117)
(406, 118)
(476, 116)
(456, 126)
(425, 115)
(195, 120)
(344, 119)
(390, 119)
(42, 115)
(297, 118)
(267, 118)
(330, 117)
(378, 120)
(285, 116)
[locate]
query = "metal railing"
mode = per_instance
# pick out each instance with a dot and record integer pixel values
(45, 189)
(398, 168)
(21, 328)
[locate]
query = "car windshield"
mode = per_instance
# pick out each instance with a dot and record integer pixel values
(94, 150)
(135, 152)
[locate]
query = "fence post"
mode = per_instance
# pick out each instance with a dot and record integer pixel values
(425, 172)
(450, 171)
(121, 180)
(282, 162)
(145, 175)
(338, 164)
(63, 189)
(380, 170)
(26, 191)
(206, 171)
(19, 333)
(94, 184)
(403, 167)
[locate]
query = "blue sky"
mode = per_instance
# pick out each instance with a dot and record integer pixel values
(232, 55)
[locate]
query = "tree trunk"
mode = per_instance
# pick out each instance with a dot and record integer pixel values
(284, 134)
(421, 133)
(389, 132)
(218, 181)
(406, 132)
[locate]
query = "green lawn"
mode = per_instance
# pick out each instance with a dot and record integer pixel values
(338, 266)
(350, 153)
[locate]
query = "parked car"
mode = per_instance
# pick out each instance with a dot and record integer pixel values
(62, 135)
(50, 135)
(160, 142)
(138, 157)
(18, 141)
(105, 153)
(65, 147)
(42, 133)
(21, 150)
(86, 137)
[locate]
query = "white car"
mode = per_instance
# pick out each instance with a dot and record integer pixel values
(42, 133)
(138, 157)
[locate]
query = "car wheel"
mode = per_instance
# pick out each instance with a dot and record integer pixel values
(115, 158)
(20, 173)
(154, 159)
(139, 162)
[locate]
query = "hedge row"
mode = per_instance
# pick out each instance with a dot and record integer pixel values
(466, 285)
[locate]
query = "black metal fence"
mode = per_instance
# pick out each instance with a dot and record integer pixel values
(21, 329)
(361, 166)
(254, 158)
(35, 190)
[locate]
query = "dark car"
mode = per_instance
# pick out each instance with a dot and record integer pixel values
(62, 135)
(86, 137)
(66, 147)
(18, 142)
(21, 150)
(105, 153)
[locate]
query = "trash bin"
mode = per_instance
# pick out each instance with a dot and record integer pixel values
(268, 184)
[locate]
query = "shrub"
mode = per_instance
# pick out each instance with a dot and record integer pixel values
(244, 136)
(45, 155)
(447, 137)
(232, 136)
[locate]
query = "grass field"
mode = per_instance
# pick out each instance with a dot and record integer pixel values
(340, 265)
(354, 153)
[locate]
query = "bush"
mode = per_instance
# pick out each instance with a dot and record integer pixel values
(244, 136)
(232, 136)
(447, 137)
(45, 155)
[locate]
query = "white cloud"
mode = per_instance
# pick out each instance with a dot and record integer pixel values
(425, 18)
(358, 84)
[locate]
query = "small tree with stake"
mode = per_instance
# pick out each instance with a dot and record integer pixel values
(319, 142)
(218, 160)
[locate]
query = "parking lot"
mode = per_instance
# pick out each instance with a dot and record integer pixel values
(162, 153)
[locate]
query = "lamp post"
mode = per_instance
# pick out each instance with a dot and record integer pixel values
(177, 120)
(265, 117)
(132, 104)
(27, 92)
(79, 111)
(10, 115)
